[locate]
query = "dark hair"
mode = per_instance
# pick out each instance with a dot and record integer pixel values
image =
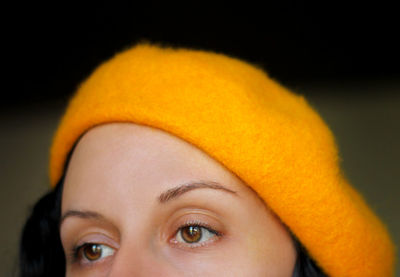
(41, 252)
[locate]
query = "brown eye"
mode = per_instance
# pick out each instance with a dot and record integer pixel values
(92, 252)
(195, 235)
(191, 234)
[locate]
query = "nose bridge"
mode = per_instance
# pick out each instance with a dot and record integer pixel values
(138, 260)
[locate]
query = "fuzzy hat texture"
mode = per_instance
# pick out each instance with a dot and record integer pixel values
(268, 136)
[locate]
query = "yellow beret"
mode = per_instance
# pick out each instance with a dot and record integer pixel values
(268, 136)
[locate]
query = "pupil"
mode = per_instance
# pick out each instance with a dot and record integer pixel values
(191, 234)
(92, 251)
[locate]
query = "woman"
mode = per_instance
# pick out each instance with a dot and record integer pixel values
(177, 162)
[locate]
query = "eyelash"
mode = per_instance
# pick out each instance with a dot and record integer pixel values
(78, 257)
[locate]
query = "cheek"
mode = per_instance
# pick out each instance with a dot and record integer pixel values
(228, 260)
(264, 243)
(256, 252)
(270, 254)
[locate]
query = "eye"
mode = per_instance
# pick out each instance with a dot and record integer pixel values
(93, 252)
(195, 235)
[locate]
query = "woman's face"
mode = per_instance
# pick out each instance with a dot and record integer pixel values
(138, 201)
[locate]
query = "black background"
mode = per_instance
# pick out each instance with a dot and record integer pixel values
(51, 48)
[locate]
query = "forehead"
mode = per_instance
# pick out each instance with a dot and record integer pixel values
(120, 158)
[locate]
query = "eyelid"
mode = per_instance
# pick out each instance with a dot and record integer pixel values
(200, 224)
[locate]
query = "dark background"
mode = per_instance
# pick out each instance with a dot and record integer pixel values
(343, 57)
(52, 47)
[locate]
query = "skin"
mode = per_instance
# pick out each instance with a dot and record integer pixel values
(130, 190)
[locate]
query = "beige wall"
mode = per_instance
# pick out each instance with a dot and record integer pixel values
(363, 116)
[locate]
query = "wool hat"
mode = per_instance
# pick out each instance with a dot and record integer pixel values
(267, 135)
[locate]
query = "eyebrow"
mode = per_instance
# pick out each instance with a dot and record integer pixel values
(179, 190)
(164, 197)
(81, 214)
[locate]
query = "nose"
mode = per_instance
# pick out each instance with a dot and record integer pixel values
(134, 262)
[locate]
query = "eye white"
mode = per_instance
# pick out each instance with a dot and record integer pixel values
(106, 251)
